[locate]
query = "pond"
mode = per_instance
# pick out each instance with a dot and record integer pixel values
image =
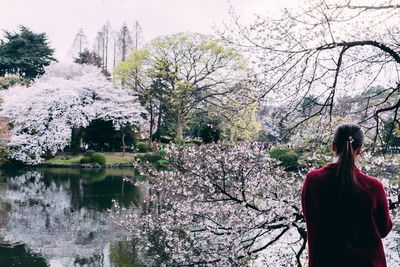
(59, 217)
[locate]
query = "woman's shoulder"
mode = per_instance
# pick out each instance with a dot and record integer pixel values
(368, 181)
(321, 171)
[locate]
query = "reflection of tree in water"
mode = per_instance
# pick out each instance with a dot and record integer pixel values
(18, 256)
(132, 254)
(44, 217)
(123, 254)
(95, 188)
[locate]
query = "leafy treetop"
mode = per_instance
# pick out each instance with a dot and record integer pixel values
(25, 53)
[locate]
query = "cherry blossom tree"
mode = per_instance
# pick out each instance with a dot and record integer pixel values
(66, 97)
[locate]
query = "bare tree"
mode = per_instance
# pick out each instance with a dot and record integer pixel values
(98, 43)
(138, 39)
(106, 31)
(328, 50)
(101, 44)
(114, 41)
(125, 43)
(79, 44)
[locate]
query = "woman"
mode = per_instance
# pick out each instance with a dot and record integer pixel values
(346, 211)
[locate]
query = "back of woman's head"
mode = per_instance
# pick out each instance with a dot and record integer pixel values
(347, 140)
(345, 134)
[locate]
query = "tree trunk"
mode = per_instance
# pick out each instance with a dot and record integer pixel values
(106, 47)
(159, 119)
(76, 197)
(151, 122)
(179, 127)
(123, 143)
(123, 45)
(160, 109)
(114, 53)
(76, 139)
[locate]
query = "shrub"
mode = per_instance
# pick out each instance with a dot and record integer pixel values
(162, 153)
(289, 160)
(3, 152)
(3, 156)
(165, 139)
(142, 147)
(85, 160)
(99, 158)
(197, 141)
(316, 157)
(162, 163)
(278, 151)
(140, 156)
(89, 153)
(152, 157)
(287, 157)
(11, 80)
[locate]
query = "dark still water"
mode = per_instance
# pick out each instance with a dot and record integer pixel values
(59, 217)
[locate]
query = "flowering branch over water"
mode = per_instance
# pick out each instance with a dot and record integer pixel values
(223, 205)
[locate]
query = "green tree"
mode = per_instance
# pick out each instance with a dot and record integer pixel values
(25, 53)
(92, 58)
(88, 57)
(243, 123)
(204, 125)
(391, 133)
(182, 73)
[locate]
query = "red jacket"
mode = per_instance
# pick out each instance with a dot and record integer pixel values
(350, 236)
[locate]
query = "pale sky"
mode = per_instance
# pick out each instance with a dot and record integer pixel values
(61, 19)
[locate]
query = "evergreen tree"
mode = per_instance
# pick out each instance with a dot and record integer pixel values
(25, 53)
(90, 58)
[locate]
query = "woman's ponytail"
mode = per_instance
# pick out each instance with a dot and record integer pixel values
(345, 175)
(348, 137)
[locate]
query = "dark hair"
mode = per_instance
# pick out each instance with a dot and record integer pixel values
(347, 212)
(348, 137)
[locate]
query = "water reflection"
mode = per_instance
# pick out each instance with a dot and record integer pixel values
(58, 217)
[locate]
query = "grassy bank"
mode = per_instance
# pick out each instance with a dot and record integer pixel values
(64, 160)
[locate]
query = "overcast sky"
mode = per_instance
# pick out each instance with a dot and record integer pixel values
(61, 19)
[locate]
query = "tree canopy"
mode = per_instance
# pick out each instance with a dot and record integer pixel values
(181, 73)
(25, 53)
